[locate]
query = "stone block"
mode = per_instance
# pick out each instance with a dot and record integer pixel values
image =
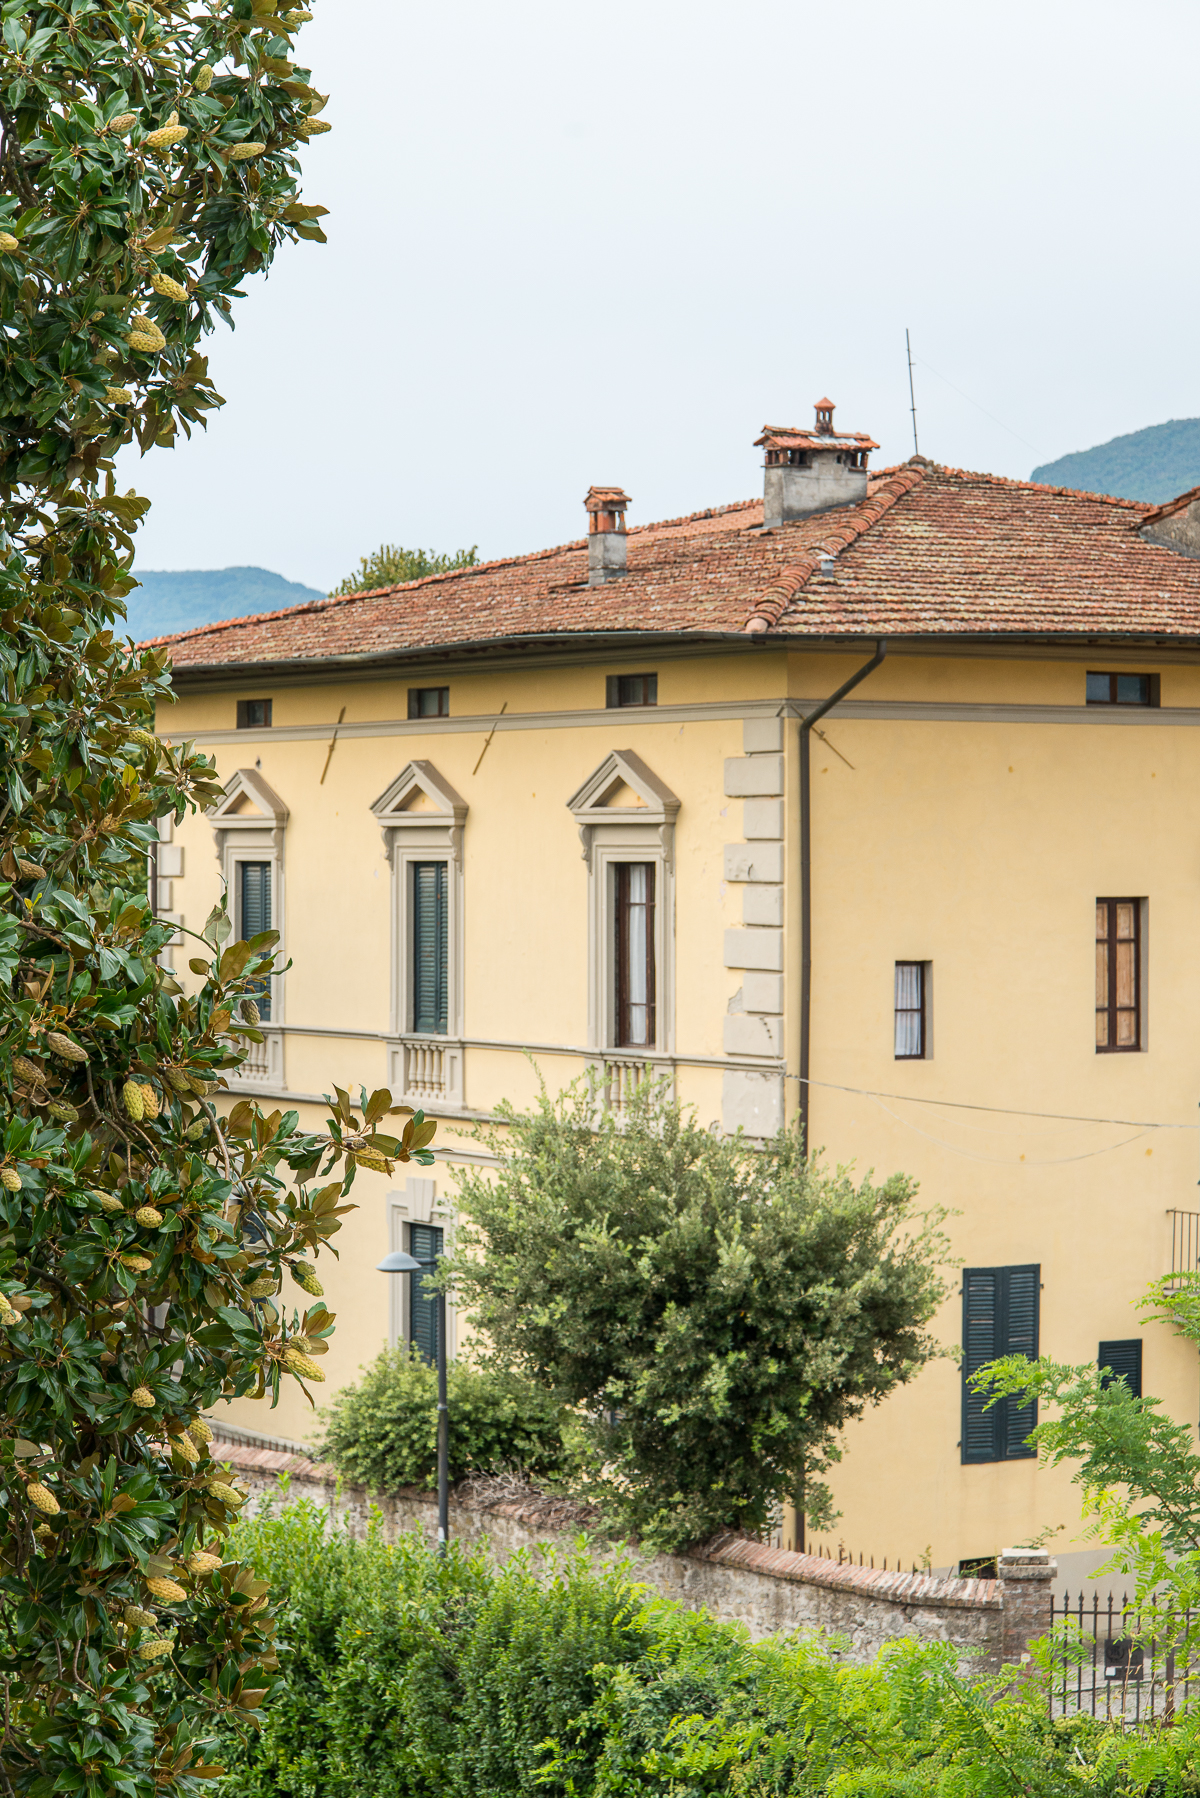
(747, 776)
(762, 818)
(762, 905)
(754, 948)
(754, 861)
(761, 736)
(763, 992)
(750, 1035)
(170, 861)
(751, 1102)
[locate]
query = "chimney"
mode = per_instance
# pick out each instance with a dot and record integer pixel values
(607, 543)
(812, 471)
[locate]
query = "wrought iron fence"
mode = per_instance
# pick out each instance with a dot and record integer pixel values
(1185, 1242)
(1108, 1661)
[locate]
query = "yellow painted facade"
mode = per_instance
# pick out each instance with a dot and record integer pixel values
(968, 809)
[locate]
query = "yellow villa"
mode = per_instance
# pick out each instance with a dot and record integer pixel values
(586, 810)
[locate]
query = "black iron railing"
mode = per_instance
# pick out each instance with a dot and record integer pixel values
(1111, 1660)
(1185, 1242)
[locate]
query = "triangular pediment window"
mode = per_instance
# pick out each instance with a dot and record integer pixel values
(623, 787)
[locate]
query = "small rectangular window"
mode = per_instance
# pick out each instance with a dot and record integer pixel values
(430, 946)
(1000, 1317)
(254, 916)
(254, 714)
(1124, 1362)
(632, 689)
(425, 1245)
(912, 1021)
(635, 995)
(977, 1567)
(429, 702)
(1118, 975)
(1122, 689)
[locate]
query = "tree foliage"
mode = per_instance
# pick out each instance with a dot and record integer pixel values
(718, 1311)
(148, 165)
(390, 564)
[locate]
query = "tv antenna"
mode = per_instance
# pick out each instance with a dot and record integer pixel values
(912, 400)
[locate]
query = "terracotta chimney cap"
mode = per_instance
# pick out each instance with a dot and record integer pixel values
(607, 499)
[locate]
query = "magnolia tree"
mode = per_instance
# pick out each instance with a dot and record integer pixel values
(148, 165)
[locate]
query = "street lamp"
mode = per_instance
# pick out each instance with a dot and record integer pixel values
(400, 1263)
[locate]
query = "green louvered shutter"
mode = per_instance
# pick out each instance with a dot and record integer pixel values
(1000, 1317)
(1124, 1362)
(254, 901)
(430, 944)
(424, 1244)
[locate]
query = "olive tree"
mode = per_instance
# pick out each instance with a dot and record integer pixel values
(147, 166)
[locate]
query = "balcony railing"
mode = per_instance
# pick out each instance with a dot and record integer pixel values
(1185, 1242)
(263, 1065)
(427, 1071)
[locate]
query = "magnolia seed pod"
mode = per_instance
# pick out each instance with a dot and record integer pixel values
(135, 1104)
(142, 340)
(307, 1280)
(44, 1533)
(199, 1086)
(262, 1288)
(109, 1201)
(202, 79)
(9, 243)
(124, 121)
(136, 1618)
(296, 16)
(202, 1562)
(62, 1045)
(314, 127)
(142, 1395)
(43, 1498)
(118, 396)
(178, 1079)
(168, 1591)
(165, 136)
(297, 1362)
(146, 738)
(9, 1317)
(225, 1493)
(62, 1112)
(244, 152)
(30, 870)
(28, 1070)
(10, 1179)
(156, 1646)
(183, 1445)
(138, 1263)
(148, 1216)
(150, 1104)
(195, 1131)
(251, 1012)
(199, 1432)
(169, 288)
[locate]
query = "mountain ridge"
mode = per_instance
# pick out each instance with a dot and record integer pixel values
(170, 600)
(1154, 464)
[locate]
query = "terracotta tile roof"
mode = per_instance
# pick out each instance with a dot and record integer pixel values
(931, 551)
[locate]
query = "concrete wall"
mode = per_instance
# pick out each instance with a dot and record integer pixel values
(769, 1590)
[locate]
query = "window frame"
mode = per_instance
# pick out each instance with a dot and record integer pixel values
(1008, 1436)
(1111, 1008)
(924, 1053)
(242, 861)
(414, 697)
(256, 834)
(622, 906)
(413, 863)
(1153, 688)
(612, 691)
(243, 714)
(417, 1203)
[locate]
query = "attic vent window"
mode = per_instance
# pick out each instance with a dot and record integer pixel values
(632, 689)
(254, 714)
(429, 702)
(1122, 689)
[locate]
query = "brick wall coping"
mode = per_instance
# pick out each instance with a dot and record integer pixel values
(894, 1587)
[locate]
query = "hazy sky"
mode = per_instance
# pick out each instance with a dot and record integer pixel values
(573, 243)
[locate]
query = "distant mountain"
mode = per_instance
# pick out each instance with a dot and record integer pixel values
(170, 600)
(1154, 464)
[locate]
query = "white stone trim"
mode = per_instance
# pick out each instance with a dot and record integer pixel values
(753, 1100)
(255, 836)
(417, 1204)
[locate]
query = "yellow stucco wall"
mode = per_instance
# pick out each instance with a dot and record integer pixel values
(983, 811)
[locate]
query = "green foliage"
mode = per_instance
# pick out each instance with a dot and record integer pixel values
(147, 167)
(414, 1677)
(390, 564)
(718, 1312)
(1139, 1470)
(382, 1432)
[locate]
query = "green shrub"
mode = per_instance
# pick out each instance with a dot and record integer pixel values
(406, 1676)
(383, 1431)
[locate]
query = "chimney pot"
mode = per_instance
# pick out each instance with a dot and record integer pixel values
(807, 471)
(607, 543)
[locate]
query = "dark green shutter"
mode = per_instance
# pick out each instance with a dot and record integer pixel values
(254, 904)
(1124, 1362)
(424, 1244)
(1000, 1317)
(430, 940)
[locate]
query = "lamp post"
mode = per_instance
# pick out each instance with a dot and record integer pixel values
(401, 1263)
